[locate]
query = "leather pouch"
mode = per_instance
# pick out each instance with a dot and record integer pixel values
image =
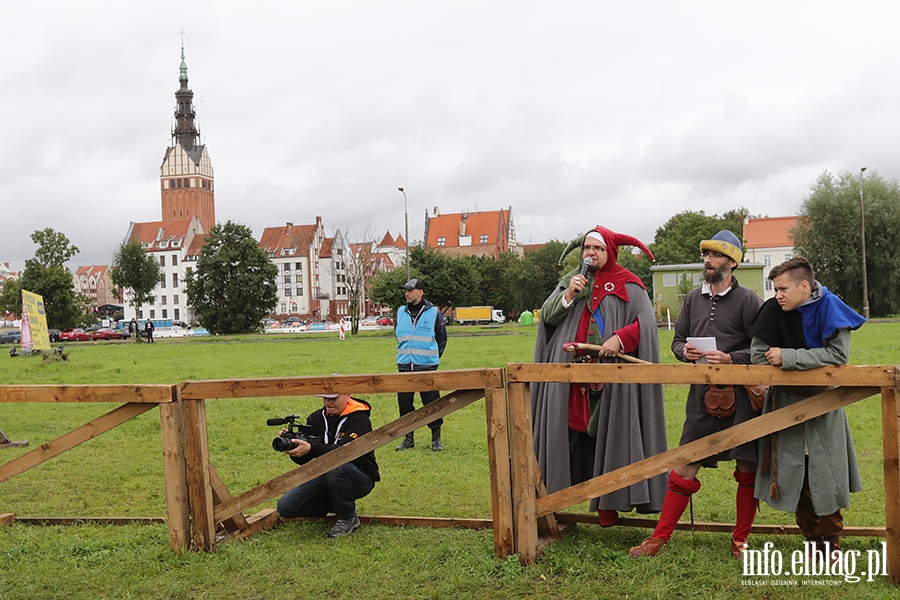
(757, 395)
(720, 401)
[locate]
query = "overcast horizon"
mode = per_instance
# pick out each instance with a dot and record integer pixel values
(573, 113)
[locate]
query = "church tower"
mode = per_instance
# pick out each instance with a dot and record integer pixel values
(186, 176)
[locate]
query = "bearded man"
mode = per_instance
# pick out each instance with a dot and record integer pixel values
(721, 309)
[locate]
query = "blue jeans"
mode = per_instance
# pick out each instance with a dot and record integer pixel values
(336, 491)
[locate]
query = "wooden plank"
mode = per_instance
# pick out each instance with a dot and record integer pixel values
(264, 519)
(200, 500)
(171, 421)
(7, 518)
(463, 379)
(221, 494)
(436, 522)
(702, 448)
(93, 520)
(757, 529)
(890, 430)
(69, 440)
(522, 472)
(134, 394)
(547, 525)
(498, 462)
(862, 376)
(16, 444)
(366, 443)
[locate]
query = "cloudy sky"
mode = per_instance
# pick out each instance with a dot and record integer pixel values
(571, 112)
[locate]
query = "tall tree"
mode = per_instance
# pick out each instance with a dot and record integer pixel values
(828, 233)
(47, 275)
(233, 286)
(450, 281)
(537, 274)
(136, 272)
(359, 263)
(11, 297)
(678, 240)
(54, 248)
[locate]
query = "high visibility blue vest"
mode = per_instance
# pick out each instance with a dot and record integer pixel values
(419, 346)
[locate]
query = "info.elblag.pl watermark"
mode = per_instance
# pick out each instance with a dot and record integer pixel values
(829, 566)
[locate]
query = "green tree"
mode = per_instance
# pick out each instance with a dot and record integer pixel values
(678, 240)
(47, 275)
(54, 248)
(537, 274)
(136, 272)
(450, 281)
(11, 297)
(233, 286)
(828, 234)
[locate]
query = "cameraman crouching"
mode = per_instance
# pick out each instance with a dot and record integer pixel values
(342, 420)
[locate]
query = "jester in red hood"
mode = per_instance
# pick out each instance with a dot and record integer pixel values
(583, 430)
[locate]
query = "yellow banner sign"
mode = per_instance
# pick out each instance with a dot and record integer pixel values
(34, 322)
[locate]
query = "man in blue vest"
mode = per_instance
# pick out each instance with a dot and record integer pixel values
(421, 339)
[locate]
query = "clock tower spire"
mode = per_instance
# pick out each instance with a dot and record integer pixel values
(186, 176)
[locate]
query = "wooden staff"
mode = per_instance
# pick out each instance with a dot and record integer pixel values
(573, 346)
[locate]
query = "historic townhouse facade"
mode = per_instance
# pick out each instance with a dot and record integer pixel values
(93, 282)
(486, 233)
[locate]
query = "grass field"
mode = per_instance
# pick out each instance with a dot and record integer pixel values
(120, 474)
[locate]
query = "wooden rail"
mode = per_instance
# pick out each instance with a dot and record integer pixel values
(850, 384)
(525, 516)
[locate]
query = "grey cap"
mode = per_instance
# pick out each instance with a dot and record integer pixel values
(413, 284)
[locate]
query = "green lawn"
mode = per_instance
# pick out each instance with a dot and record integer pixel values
(120, 474)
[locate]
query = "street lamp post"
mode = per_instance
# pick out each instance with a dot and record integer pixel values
(405, 229)
(862, 231)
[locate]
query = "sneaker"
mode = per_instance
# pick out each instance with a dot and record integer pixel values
(344, 527)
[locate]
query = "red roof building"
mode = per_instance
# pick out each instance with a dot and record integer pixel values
(488, 233)
(768, 241)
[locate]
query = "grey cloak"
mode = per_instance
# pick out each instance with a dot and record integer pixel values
(630, 418)
(825, 441)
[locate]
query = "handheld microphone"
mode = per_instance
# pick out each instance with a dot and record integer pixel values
(585, 265)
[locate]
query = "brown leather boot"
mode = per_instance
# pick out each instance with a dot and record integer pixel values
(649, 547)
(834, 550)
(737, 548)
(607, 518)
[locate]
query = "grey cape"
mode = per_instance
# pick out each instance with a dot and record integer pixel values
(631, 420)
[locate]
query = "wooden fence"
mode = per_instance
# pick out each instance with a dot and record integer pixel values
(202, 512)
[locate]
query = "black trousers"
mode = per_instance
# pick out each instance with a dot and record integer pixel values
(405, 400)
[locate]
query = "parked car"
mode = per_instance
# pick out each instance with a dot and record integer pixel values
(385, 321)
(53, 334)
(13, 336)
(75, 335)
(107, 333)
(369, 321)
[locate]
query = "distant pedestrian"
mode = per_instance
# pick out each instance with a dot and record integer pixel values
(148, 330)
(133, 330)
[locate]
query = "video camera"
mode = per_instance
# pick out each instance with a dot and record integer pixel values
(295, 431)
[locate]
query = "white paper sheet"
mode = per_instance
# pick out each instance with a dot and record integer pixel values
(703, 344)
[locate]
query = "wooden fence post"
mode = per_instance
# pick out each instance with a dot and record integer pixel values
(498, 459)
(171, 420)
(196, 445)
(522, 473)
(890, 427)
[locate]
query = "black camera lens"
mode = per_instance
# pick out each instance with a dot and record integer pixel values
(281, 444)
